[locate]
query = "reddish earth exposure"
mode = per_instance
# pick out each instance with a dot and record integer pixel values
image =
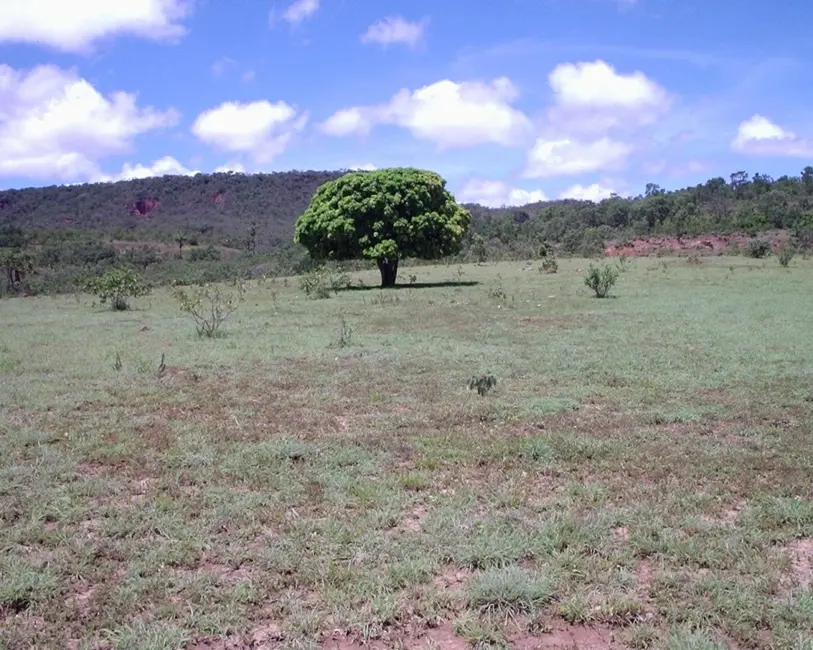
(643, 246)
(144, 206)
(219, 197)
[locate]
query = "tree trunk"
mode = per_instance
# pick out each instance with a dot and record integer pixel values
(389, 271)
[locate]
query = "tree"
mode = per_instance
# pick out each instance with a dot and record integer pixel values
(384, 215)
(180, 239)
(17, 264)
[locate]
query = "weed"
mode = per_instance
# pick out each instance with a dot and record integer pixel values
(323, 281)
(344, 333)
(482, 383)
(601, 280)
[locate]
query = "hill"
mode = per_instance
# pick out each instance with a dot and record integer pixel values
(215, 205)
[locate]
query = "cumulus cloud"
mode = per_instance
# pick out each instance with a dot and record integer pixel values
(594, 192)
(495, 194)
(75, 26)
(300, 10)
(565, 157)
(261, 128)
(166, 166)
(366, 167)
(760, 136)
(54, 124)
(395, 30)
(453, 115)
(593, 97)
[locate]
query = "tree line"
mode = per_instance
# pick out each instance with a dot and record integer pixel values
(209, 227)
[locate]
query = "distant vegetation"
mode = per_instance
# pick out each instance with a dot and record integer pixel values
(191, 230)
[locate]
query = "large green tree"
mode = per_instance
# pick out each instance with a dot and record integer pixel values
(384, 215)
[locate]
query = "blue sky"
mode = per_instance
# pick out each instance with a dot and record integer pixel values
(511, 101)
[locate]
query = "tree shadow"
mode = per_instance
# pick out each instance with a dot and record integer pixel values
(414, 285)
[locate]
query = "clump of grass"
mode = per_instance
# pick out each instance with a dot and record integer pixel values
(482, 383)
(22, 586)
(549, 265)
(509, 591)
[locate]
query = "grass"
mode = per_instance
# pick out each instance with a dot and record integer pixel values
(641, 470)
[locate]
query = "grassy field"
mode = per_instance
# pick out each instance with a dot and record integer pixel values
(322, 477)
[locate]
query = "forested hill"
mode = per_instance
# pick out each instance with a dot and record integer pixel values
(220, 208)
(216, 204)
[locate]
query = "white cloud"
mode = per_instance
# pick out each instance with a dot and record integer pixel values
(166, 166)
(232, 166)
(495, 194)
(222, 65)
(75, 26)
(260, 128)
(448, 113)
(759, 136)
(300, 10)
(593, 97)
(366, 167)
(594, 192)
(395, 30)
(566, 157)
(348, 121)
(54, 124)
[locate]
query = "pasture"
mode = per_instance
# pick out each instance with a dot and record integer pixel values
(322, 476)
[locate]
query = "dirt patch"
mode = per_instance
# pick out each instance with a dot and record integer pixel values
(564, 636)
(621, 533)
(440, 637)
(218, 643)
(801, 557)
(452, 578)
(413, 522)
(644, 574)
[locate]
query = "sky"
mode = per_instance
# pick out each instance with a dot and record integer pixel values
(512, 101)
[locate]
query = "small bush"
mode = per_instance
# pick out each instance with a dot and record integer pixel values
(601, 280)
(549, 265)
(208, 254)
(758, 248)
(483, 383)
(116, 287)
(785, 257)
(322, 281)
(210, 306)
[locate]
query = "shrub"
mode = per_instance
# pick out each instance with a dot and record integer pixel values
(785, 257)
(321, 281)
(549, 265)
(601, 280)
(758, 248)
(116, 287)
(210, 306)
(482, 383)
(208, 254)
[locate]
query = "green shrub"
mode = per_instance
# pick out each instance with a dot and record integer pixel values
(549, 265)
(758, 248)
(785, 257)
(322, 281)
(601, 280)
(116, 287)
(208, 254)
(210, 306)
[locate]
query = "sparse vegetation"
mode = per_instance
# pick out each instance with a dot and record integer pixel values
(786, 257)
(323, 474)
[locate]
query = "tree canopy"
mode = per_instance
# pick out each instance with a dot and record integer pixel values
(384, 215)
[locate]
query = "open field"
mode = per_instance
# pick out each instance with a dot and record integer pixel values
(322, 477)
